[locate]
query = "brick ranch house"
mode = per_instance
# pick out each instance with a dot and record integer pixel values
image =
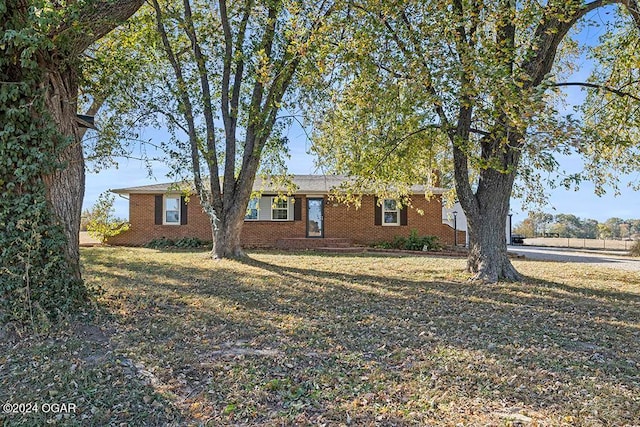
(305, 219)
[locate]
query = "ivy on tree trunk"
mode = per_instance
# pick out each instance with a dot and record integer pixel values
(42, 166)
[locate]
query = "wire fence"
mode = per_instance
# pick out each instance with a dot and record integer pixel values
(570, 242)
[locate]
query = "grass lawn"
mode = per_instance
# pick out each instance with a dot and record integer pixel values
(317, 339)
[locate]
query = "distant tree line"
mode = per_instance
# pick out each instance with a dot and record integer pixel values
(541, 224)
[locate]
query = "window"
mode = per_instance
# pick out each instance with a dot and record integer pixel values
(252, 210)
(390, 212)
(172, 210)
(279, 209)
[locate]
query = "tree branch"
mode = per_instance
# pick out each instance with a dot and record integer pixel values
(460, 135)
(399, 141)
(239, 74)
(255, 125)
(600, 87)
(634, 10)
(265, 102)
(95, 19)
(552, 30)
(211, 155)
(437, 105)
(230, 96)
(188, 112)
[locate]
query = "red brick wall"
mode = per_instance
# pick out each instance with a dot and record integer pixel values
(265, 234)
(339, 221)
(143, 228)
(358, 225)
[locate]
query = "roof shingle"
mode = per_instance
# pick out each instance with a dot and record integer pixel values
(306, 184)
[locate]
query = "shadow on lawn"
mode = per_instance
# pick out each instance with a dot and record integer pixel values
(546, 345)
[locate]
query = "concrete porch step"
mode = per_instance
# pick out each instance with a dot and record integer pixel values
(312, 243)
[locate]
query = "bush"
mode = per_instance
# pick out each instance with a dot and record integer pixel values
(37, 287)
(382, 245)
(399, 242)
(191, 243)
(635, 249)
(160, 243)
(100, 222)
(413, 242)
(182, 243)
(419, 243)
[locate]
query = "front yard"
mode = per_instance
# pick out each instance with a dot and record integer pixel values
(311, 339)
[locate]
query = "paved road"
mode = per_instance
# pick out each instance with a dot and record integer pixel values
(596, 258)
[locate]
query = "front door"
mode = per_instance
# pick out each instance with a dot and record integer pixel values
(315, 217)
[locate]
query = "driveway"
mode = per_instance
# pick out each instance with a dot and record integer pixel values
(596, 258)
(86, 240)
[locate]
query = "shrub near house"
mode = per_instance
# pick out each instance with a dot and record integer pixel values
(100, 222)
(414, 242)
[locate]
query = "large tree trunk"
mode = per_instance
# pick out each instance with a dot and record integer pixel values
(226, 235)
(65, 187)
(227, 228)
(487, 209)
(488, 259)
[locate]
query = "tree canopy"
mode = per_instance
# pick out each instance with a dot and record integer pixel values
(540, 224)
(217, 76)
(480, 80)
